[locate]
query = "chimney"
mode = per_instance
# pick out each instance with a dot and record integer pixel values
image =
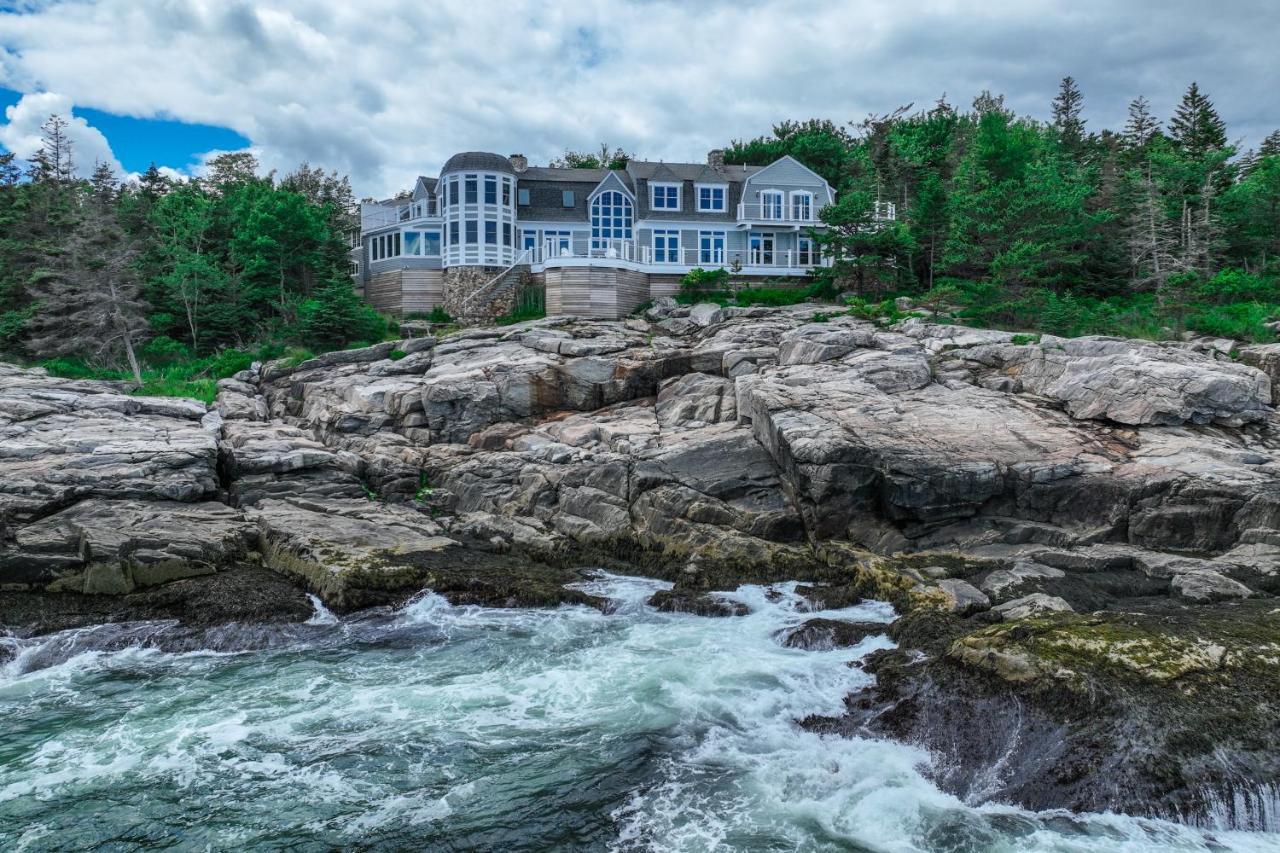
(715, 159)
(519, 162)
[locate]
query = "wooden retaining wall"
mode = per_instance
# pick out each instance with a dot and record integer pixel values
(600, 292)
(402, 292)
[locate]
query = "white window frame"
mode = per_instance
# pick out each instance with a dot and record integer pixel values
(708, 256)
(782, 205)
(812, 249)
(355, 267)
(802, 194)
(653, 196)
(667, 234)
(724, 197)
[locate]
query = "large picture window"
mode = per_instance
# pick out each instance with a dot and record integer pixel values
(610, 218)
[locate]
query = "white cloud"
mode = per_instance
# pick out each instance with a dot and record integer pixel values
(387, 89)
(21, 133)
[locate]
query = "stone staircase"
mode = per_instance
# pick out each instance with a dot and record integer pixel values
(495, 297)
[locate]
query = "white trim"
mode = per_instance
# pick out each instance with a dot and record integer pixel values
(697, 197)
(679, 186)
(666, 235)
(791, 204)
(600, 187)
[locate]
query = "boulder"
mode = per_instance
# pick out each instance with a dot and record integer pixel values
(963, 598)
(1203, 585)
(116, 546)
(1036, 604)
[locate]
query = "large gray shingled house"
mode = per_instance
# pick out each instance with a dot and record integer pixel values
(600, 241)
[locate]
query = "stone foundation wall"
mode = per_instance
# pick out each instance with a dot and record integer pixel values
(461, 282)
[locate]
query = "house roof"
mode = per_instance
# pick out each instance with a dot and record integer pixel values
(479, 160)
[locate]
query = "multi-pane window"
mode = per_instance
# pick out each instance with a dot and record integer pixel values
(805, 255)
(491, 232)
(665, 196)
(801, 206)
(666, 246)
(610, 218)
(506, 192)
(490, 190)
(506, 233)
(470, 190)
(711, 247)
(473, 231)
(453, 192)
(710, 199)
(770, 205)
(453, 234)
(530, 238)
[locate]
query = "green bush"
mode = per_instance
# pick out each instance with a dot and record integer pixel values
(698, 279)
(336, 317)
(164, 350)
(396, 354)
(435, 315)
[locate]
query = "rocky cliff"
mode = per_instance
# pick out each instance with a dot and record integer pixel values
(1072, 528)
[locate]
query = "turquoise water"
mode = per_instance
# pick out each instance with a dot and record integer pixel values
(464, 728)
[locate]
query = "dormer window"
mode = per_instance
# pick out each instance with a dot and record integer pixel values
(664, 196)
(711, 198)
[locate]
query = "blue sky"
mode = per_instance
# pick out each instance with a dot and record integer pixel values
(385, 90)
(138, 142)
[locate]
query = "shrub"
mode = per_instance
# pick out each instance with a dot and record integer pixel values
(698, 279)
(396, 354)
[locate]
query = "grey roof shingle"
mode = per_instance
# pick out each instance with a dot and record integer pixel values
(479, 160)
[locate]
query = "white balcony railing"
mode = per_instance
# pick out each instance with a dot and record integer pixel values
(781, 212)
(554, 251)
(417, 210)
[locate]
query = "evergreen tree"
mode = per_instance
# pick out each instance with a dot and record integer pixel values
(1196, 128)
(103, 185)
(1066, 115)
(1141, 127)
(87, 304)
(53, 162)
(1270, 146)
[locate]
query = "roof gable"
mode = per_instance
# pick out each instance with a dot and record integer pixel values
(612, 181)
(787, 170)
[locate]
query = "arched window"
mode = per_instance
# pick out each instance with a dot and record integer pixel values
(610, 219)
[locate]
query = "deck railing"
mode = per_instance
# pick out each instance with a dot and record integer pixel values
(626, 250)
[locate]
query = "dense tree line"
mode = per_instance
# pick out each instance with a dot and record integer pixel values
(103, 272)
(1019, 214)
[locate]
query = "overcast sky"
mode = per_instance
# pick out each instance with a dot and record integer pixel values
(387, 89)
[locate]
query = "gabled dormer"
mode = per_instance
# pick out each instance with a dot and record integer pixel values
(786, 191)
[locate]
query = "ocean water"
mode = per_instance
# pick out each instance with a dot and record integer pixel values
(438, 728)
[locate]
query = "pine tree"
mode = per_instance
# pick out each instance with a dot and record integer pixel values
(88, 303)
(53, 162)
(103, 184)
(1196, 127)
(10, 172)
(1141, 127)
(1270, 146)
(1066, 115)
